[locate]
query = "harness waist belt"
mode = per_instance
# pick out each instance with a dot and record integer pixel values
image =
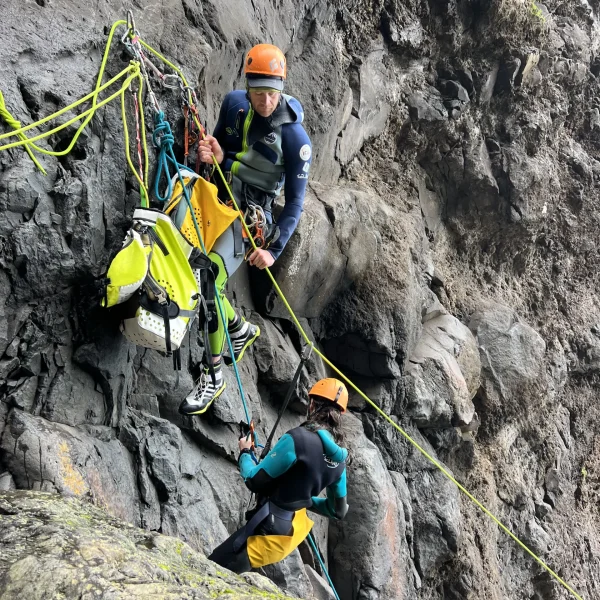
(268, 508)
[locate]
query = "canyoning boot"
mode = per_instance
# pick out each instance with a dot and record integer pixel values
(242, 335)
(205, 392)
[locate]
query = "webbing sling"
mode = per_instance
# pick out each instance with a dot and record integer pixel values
(207, 311)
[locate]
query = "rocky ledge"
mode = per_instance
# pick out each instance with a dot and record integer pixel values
(56, 547)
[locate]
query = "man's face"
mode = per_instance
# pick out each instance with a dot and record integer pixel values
(264, 103)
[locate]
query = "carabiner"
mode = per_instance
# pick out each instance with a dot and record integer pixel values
(130, 22)
(167, 78)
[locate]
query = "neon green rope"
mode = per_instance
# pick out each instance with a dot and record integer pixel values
(89, 113)
(131, 73)
(68, 108)
(12, 122)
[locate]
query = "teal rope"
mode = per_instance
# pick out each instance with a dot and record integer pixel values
(163, 139)
(313, 544)
(167, 155)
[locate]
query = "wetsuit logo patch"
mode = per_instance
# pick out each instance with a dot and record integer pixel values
(271, 138)
(305, 152)
(231, 131)
(331, 464)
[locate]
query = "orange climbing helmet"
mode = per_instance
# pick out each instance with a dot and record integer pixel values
(333, 390)
(265, 67)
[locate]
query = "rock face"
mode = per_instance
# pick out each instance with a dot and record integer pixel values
(443, 374)
(446, 261)
(369, 547)
(54, 546)
(513, 370)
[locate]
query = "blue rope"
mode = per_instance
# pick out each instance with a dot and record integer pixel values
(318, 555)
(166, 156)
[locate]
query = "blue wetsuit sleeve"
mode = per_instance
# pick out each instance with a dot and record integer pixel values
(297, 156)
(281, 458)
(329, 506)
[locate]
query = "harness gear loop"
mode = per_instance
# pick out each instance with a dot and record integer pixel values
(256, 221)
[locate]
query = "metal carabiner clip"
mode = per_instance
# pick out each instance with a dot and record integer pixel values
(170, 81)
(130, 22)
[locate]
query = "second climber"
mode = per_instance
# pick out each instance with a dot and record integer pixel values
(305, 461)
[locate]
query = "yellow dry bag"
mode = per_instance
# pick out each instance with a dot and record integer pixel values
(213, 217)
(268, 549)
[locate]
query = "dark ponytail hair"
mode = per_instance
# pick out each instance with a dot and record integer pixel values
(325, 415)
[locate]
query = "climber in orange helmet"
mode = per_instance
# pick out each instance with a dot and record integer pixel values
(305, 461)
(260, 143)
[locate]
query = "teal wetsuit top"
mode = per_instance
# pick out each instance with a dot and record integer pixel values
(297, 469)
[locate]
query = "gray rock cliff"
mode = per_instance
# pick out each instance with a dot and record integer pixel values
(447, 262)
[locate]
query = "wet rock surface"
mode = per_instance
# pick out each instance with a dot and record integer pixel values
(447, 261)
(57, 546)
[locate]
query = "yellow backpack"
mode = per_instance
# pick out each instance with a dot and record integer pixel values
(154, 261)
(213, 217)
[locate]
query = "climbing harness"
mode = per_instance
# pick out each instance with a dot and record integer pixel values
(138, 70)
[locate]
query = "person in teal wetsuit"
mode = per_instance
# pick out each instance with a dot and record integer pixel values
(260, 143)
(304, 462)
